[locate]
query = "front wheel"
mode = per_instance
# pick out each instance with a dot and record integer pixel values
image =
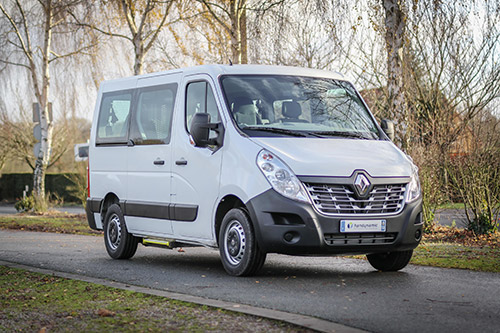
(240, 254)
(119, 243)
(390, 261)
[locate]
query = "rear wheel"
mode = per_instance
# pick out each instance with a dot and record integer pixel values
(390, 261)
(239, 251)
(119, 243)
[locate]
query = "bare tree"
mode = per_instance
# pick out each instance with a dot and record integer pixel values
(28, 44)
(144, 21)
(232, 16)
(18, 140)
(453, 71)
(306, 34)
(476, 176)
(395, 26)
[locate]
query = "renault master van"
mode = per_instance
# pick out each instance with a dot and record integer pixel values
(250, 160)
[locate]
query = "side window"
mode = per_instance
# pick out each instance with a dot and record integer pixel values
(200, 98)
(152, 119)
(112, 125)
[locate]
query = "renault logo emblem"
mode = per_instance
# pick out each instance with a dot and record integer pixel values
(362, 184)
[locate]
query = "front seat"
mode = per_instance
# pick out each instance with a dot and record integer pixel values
(245, 112)
(291, 112)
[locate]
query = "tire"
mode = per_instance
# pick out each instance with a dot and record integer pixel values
(390, 261)
(239, 251)
(119, 243)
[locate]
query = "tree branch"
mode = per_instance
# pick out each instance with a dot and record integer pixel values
(93, 27)
(80, 50)
(128, 16)
(24, 47)
(160, 26)
(214, 15)
(14, 63)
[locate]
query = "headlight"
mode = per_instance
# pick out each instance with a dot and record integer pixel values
(413, 186)
(281, 178)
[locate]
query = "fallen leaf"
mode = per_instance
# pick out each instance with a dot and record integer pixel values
(105, 313)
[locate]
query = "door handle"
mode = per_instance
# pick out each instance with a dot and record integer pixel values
(181, 162)
(159, 162)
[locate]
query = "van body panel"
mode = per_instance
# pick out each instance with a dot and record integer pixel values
(339, 157)
(148, 183)
(240, 175)
(109, 171)
(149, 167)
(195, 171)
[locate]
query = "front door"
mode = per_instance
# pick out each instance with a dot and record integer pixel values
(195, 171)
(147, 208)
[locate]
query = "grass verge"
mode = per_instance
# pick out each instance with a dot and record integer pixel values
(38, 302)
(451, 247)
(451, 205)
(51, 222)
(449, 255)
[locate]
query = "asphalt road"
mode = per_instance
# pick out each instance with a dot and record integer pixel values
(346, 291)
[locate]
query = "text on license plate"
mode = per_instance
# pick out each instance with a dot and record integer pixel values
(362, 226)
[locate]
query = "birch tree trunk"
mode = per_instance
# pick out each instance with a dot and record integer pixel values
(46, 126)
(238, 31)
(243, 36)
(139, 54)
(233, 19)
(394, 39)
(40, 79)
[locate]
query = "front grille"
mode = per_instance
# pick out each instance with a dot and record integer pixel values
(360, 238)
(334, 199)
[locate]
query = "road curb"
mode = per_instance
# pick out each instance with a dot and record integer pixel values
(313, 323)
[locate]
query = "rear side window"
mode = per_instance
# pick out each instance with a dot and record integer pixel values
(152, 120)
(112, 126)
(200, 99)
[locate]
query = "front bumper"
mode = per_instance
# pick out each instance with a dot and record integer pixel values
(286, 226)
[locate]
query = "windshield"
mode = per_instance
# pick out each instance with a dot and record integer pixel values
(275, 105)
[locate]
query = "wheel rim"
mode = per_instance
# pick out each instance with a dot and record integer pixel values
(114, 232)
(235, 242)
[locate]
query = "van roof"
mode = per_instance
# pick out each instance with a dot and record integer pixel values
(218, 70)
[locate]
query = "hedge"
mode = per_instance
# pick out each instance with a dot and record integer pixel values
(12, 186)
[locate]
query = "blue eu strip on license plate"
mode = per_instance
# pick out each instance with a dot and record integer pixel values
(347, 226)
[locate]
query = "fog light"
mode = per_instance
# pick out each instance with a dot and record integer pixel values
(418, 235)
(288, 236)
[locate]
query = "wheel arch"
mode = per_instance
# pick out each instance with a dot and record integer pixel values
(109, 199)
(225, 205)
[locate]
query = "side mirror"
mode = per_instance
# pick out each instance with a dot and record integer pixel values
(388, 128)
(81, 152)
(200, 131)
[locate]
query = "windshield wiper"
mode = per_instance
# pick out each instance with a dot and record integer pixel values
(274, 130)
(341, 134)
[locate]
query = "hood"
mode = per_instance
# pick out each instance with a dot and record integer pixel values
(338, 157)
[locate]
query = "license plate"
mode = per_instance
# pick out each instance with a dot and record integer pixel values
(362, 226)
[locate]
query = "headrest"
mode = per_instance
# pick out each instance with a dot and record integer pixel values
(239, 101)
(247, 109)
(291, 109)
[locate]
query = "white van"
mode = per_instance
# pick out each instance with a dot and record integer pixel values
(251, 160)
